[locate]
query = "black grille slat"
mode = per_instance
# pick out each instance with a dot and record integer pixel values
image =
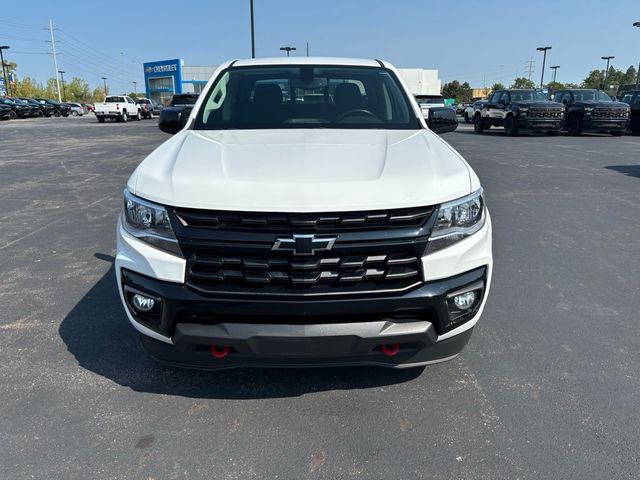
(351, 221)
(208, 272)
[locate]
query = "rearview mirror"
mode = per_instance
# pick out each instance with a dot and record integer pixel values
(442, 119)
(173, 119)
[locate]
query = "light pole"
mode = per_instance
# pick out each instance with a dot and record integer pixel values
(4, 72)
(135, 88)
(253, 32)
(106, 92)
(606, 72)
(637, 24)
(62, 72)
(554, 68)
(288, 49)
(544, 59)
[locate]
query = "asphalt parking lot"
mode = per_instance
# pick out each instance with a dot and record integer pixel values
(547, 388)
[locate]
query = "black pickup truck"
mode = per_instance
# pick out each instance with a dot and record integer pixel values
(518, 110)
(632, 99)
(590, 110)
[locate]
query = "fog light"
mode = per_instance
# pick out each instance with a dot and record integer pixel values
(143, 303)
(465, 301)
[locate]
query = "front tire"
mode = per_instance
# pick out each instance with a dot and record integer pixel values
(466, 118)
(74, 113)
(124, 117)
(510, 126)
(478, 123)
(57, 113)
(100, 119)
(13, 115)
(137, 117)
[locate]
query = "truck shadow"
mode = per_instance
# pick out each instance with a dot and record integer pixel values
(628, 170)
(99, 335)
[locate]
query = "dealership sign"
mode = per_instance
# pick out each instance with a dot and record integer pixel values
(161, 68)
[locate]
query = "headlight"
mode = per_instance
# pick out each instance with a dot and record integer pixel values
(588, 109)
(149, 222)
(456, 221)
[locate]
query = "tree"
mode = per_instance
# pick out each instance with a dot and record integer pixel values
(630, 76)
(553, 86)
(134, 95)
(98, 95)
(451, 89)
(465, 94)
(523, 82)
(27, 87)
(77, 90)
(595, 79)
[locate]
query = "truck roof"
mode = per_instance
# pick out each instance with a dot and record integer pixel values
(352, 62)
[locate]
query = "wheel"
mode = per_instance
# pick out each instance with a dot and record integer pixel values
(150, 116)
(74, 113)
(574, 125)
(617, 133)
(13, 115)
(40, 114)
(553, 133)
(137, 117)
(478, 123)
(56, 113)
(466, 118)
(100, 119)
(510, 126)
(124, 117)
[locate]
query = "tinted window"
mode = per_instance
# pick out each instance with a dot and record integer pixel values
(114, 100)
(528, 96)
(590, 96)
(144, 102)
(306, 97)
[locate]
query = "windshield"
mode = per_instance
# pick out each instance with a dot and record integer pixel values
(590, 96)
(273, 97)
(429, 99)
(527, 96)
(143, 102)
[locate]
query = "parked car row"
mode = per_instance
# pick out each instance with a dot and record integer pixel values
(575, 111)
(23, 107)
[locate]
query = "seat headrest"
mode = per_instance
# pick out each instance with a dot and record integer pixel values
(268, 94)
(347, 96)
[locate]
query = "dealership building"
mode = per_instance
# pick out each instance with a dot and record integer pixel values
(164, 78)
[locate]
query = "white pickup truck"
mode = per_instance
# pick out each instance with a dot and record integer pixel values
(119, 108)
(274, 231)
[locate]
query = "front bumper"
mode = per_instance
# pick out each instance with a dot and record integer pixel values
(548, 125)
(603, 125)
(286, 331)
(293, 331)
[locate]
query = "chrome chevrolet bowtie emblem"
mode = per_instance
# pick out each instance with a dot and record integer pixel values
(303, 244)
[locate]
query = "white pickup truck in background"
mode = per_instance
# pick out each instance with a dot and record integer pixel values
(119, 108)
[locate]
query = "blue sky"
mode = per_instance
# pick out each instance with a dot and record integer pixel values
(467, 40)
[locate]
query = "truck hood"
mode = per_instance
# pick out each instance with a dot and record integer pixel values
(310, 170)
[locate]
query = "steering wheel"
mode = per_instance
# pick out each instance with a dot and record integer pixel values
(357, 111)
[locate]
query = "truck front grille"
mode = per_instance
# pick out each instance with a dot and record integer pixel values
(609, 113)
(209, 270)
(545, 113)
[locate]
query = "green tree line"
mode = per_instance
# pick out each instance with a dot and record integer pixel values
(75, 90)
(595, 79)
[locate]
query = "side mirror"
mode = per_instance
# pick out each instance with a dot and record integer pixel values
(172, 119)
(442, 119)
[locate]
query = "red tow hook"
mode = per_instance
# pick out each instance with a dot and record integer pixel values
(219, 352)
(390, 350)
